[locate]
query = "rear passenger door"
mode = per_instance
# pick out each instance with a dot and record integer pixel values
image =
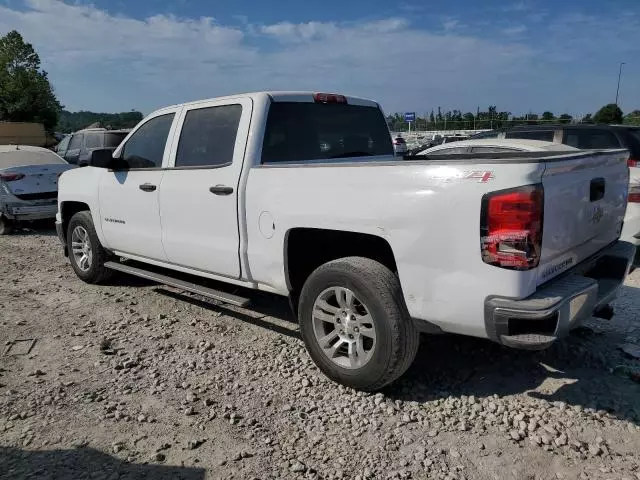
(199, 194)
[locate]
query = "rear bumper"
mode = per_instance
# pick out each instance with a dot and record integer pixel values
(562, 304)
(28, 211)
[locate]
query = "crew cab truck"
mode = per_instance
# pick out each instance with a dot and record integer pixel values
(300, 194)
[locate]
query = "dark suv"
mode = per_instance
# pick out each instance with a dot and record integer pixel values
(77, 147)
(579, 136)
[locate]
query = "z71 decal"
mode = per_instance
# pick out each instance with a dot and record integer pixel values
(483, 177)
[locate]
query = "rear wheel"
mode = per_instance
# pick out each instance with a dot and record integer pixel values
(86, 254)
(6, 225)
(355, 324)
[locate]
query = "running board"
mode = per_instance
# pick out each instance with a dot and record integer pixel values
(181, 284)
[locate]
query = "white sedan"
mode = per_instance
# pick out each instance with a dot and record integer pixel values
(494, 145)
(28, 184)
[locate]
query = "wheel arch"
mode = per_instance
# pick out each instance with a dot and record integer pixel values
(305, 249)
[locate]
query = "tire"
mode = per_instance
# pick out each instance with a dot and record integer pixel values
(6, 225)
(376, 291)
(92, 270)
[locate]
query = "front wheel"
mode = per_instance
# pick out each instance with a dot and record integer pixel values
(86, 254)
(355, 324)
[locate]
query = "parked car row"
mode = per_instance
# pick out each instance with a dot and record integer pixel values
(76, 148)
(565, 138)
(29, 174)
(28, 184)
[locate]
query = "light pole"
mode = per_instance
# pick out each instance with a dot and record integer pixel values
(619, 75)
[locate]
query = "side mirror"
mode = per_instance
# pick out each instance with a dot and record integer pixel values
(101, 158)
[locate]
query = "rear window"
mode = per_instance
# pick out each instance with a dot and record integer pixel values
(113, 139)
(544, 135)
(20, 158)
(311, 131)
(588, 138)
(400, 140)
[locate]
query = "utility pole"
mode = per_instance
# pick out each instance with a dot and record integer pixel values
(619, 75)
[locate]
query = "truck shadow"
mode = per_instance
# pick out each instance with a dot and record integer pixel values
(265, 311)
(576, 370)
(84, 463)
(585, 369)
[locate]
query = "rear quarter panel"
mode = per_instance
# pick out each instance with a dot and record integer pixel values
(429, 213)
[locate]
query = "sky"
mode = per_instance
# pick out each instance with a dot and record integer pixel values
(409, 55)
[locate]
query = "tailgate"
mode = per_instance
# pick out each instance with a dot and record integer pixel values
(585, 198)
(35, 182)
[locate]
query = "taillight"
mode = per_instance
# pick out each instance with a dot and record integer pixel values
(11, 177)
(634, 194)
(633, 163)
(511, 227)
(329, 98)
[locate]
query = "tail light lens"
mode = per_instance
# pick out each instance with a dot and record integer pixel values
(511, 227)
(634, 194)
(11, 177)
(633, 163)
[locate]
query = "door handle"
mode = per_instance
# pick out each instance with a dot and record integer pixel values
(221, 190)
(147, 187)
(596, 189)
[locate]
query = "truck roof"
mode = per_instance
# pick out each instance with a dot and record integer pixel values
(278, 96)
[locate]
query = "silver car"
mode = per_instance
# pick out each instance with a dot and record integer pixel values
(28, 184)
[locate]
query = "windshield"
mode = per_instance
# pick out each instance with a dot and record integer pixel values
(312, 131)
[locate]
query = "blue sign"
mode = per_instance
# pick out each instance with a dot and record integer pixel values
(410, 117)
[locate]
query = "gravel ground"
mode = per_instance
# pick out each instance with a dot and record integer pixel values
(134, 380)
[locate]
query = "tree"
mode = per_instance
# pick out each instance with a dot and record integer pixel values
(633, 118)
(25, 92)
(70, 122)
(565, 118)
(610, 113)
(548, 116)
(587, 118)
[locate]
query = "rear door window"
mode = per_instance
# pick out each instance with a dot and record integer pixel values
(113, 139)
(590, 138)
(302, 132)
(208, 136)
(543, 135)
(93, 140)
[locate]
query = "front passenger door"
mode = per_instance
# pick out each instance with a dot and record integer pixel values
(129, 207)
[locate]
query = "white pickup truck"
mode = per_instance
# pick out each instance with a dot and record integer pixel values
(300, 194)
